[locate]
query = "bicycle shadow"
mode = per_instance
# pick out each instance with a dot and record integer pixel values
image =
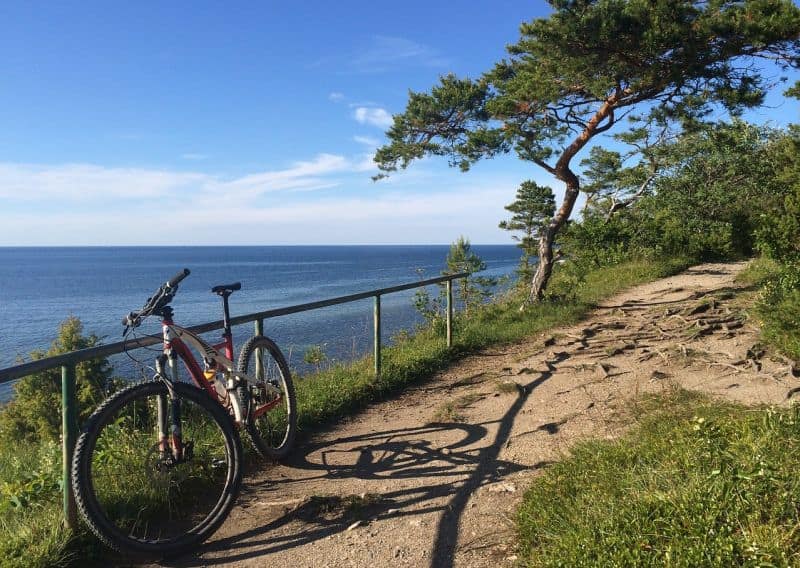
(453, 471)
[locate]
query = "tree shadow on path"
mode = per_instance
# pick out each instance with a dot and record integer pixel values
(390, 455)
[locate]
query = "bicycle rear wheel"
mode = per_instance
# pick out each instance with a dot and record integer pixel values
(135, 492)
(272, 423)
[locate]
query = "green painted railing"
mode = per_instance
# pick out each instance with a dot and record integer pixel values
(68, 361)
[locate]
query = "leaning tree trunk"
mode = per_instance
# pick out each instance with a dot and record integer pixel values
(545, 266)
(563, 172)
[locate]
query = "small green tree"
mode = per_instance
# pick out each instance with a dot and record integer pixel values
(431, 308)
(531, 211)
(471, 290)
(35, 412)
(315, 355)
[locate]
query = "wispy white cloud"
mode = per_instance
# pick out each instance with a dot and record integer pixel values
(375, 116)
(80, 204)
(380, 54)
(336, 97)
(367, 141)
(387, 52)
(82, 183)
(400, 216)
(87, 182)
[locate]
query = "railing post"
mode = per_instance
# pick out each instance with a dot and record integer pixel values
(376, 326)
(69, 434)
(450, 313)
(259, 331)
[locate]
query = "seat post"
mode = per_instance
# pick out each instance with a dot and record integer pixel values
(226, 316)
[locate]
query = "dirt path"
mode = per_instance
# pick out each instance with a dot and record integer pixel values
(433, 477)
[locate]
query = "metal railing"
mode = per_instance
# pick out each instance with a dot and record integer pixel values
(68, 361)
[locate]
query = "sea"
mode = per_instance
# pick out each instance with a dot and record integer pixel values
(42, 286)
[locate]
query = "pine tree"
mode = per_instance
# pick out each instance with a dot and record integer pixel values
(572, 76)
(531, 211)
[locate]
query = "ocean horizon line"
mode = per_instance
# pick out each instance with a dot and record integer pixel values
(252, 246)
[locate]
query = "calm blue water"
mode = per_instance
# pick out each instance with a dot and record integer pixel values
(40, 287)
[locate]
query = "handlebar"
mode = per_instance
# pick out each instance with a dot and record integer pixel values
(161, 298)
(175, 280)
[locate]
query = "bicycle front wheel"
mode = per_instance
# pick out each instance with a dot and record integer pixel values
(147, 494)
(272, 420)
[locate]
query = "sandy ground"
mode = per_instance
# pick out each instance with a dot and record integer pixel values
(433, 477)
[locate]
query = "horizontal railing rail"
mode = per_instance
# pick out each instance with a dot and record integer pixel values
(68, 361)
(74, 357)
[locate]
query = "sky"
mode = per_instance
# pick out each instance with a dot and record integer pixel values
(211, 123)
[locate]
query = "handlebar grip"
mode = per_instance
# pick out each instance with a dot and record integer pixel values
(172, 282)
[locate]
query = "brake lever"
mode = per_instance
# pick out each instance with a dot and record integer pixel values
(134, 319)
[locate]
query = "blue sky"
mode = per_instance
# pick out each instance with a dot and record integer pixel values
(234, 123)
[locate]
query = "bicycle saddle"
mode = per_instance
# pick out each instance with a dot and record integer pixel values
(223, 288)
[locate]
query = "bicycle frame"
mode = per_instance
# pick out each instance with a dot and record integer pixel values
(218, 358)
(179, 342)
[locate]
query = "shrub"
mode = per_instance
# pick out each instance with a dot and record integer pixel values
(35, 412)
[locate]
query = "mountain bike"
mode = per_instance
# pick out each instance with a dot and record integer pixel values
(158, 466)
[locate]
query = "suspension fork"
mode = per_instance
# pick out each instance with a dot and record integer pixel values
(170, 431)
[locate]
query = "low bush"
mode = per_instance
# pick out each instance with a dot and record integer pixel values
(34, 414)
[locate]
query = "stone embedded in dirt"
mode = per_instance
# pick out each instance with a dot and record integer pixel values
(502, 488)
(603, 369)
(356, 525)
(659, 376)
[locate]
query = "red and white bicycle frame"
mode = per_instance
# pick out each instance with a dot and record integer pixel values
(217, 362)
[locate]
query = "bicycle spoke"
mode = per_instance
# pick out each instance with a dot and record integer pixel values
(139, 490)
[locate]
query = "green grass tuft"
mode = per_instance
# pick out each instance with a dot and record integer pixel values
(758, 272)
(778, 303)
(697, 483)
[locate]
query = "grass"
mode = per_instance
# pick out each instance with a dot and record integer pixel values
(778, 304)
(450, 411)
(696, 483)
(31, 535)
(31, 521)
(507, 387)
(758, 272)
